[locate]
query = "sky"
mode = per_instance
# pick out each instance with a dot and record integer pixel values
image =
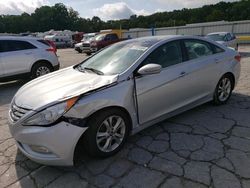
(105, 9)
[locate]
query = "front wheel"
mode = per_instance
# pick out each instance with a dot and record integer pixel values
(223, 90)
(107, 133)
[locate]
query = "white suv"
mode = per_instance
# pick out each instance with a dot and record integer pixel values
(26, 57)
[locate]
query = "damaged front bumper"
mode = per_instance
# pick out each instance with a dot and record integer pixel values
(53, 145)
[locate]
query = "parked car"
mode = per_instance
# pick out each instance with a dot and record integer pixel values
(87, 38)
(224, 38)
(117, 92)
(101, 41)
(26, 57)
(60, 39)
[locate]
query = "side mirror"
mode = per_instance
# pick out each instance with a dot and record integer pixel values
(150, 69)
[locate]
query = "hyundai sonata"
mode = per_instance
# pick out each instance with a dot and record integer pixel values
(117, 92)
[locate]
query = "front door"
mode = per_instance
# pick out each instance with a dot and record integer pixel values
(161, 93)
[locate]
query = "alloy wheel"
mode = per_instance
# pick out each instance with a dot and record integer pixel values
(224, 89)
(42, 71)
(111, 133)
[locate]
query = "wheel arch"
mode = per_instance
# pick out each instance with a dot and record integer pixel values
(42, 61)
(117, 108)
(78, 150)
(231, 76)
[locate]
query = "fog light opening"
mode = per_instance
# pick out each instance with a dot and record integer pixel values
(40, 149)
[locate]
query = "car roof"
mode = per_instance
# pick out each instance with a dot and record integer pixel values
(151, 40)
(218, 33)
(154, 40)
(18, 38)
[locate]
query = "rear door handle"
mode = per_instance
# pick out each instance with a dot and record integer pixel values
(28, 53)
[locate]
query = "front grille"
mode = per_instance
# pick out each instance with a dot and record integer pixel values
(17, 112)
(85, 45)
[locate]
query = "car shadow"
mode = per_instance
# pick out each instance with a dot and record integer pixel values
(8, 90)
(144, 146)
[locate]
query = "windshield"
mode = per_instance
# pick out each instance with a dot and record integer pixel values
(115, 59)
(99, 37)
(217, 37)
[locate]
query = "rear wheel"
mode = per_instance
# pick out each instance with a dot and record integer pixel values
(223, 90)
(107, 133)
(40, 69)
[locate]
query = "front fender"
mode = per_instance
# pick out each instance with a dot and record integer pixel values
(120, 95)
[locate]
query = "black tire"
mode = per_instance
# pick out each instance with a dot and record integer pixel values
(95, 124)
(80, 51)
(38, 66)
(218, 96)
(88, 53)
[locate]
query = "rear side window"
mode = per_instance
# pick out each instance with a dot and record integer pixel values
(197, 48)
(166, 55)
(15, 45)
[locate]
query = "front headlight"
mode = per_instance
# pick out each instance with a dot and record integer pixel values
(51, 114)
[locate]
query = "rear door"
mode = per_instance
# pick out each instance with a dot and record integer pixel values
(17, 56)
(203, 68)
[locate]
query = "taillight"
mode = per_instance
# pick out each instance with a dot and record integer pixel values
(51, 50)
(237, 58)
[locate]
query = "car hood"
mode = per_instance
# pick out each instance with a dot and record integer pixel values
(78, 44)
(87, 41)
(59, 86)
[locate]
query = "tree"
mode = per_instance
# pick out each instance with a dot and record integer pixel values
(59, 17)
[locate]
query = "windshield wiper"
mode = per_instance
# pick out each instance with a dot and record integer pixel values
(80, 68)
(94, 70)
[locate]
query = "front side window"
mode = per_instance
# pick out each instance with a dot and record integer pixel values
(196, 49)
(99, 37)
(166, 55)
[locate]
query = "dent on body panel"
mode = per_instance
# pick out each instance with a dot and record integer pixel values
(121, 95)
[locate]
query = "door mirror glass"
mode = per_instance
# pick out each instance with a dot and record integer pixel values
(150, 69)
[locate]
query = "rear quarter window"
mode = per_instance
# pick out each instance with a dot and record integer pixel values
(217, 49)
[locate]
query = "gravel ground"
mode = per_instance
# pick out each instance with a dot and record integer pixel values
(206, 147)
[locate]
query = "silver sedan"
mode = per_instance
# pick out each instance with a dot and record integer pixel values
(119, 91)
